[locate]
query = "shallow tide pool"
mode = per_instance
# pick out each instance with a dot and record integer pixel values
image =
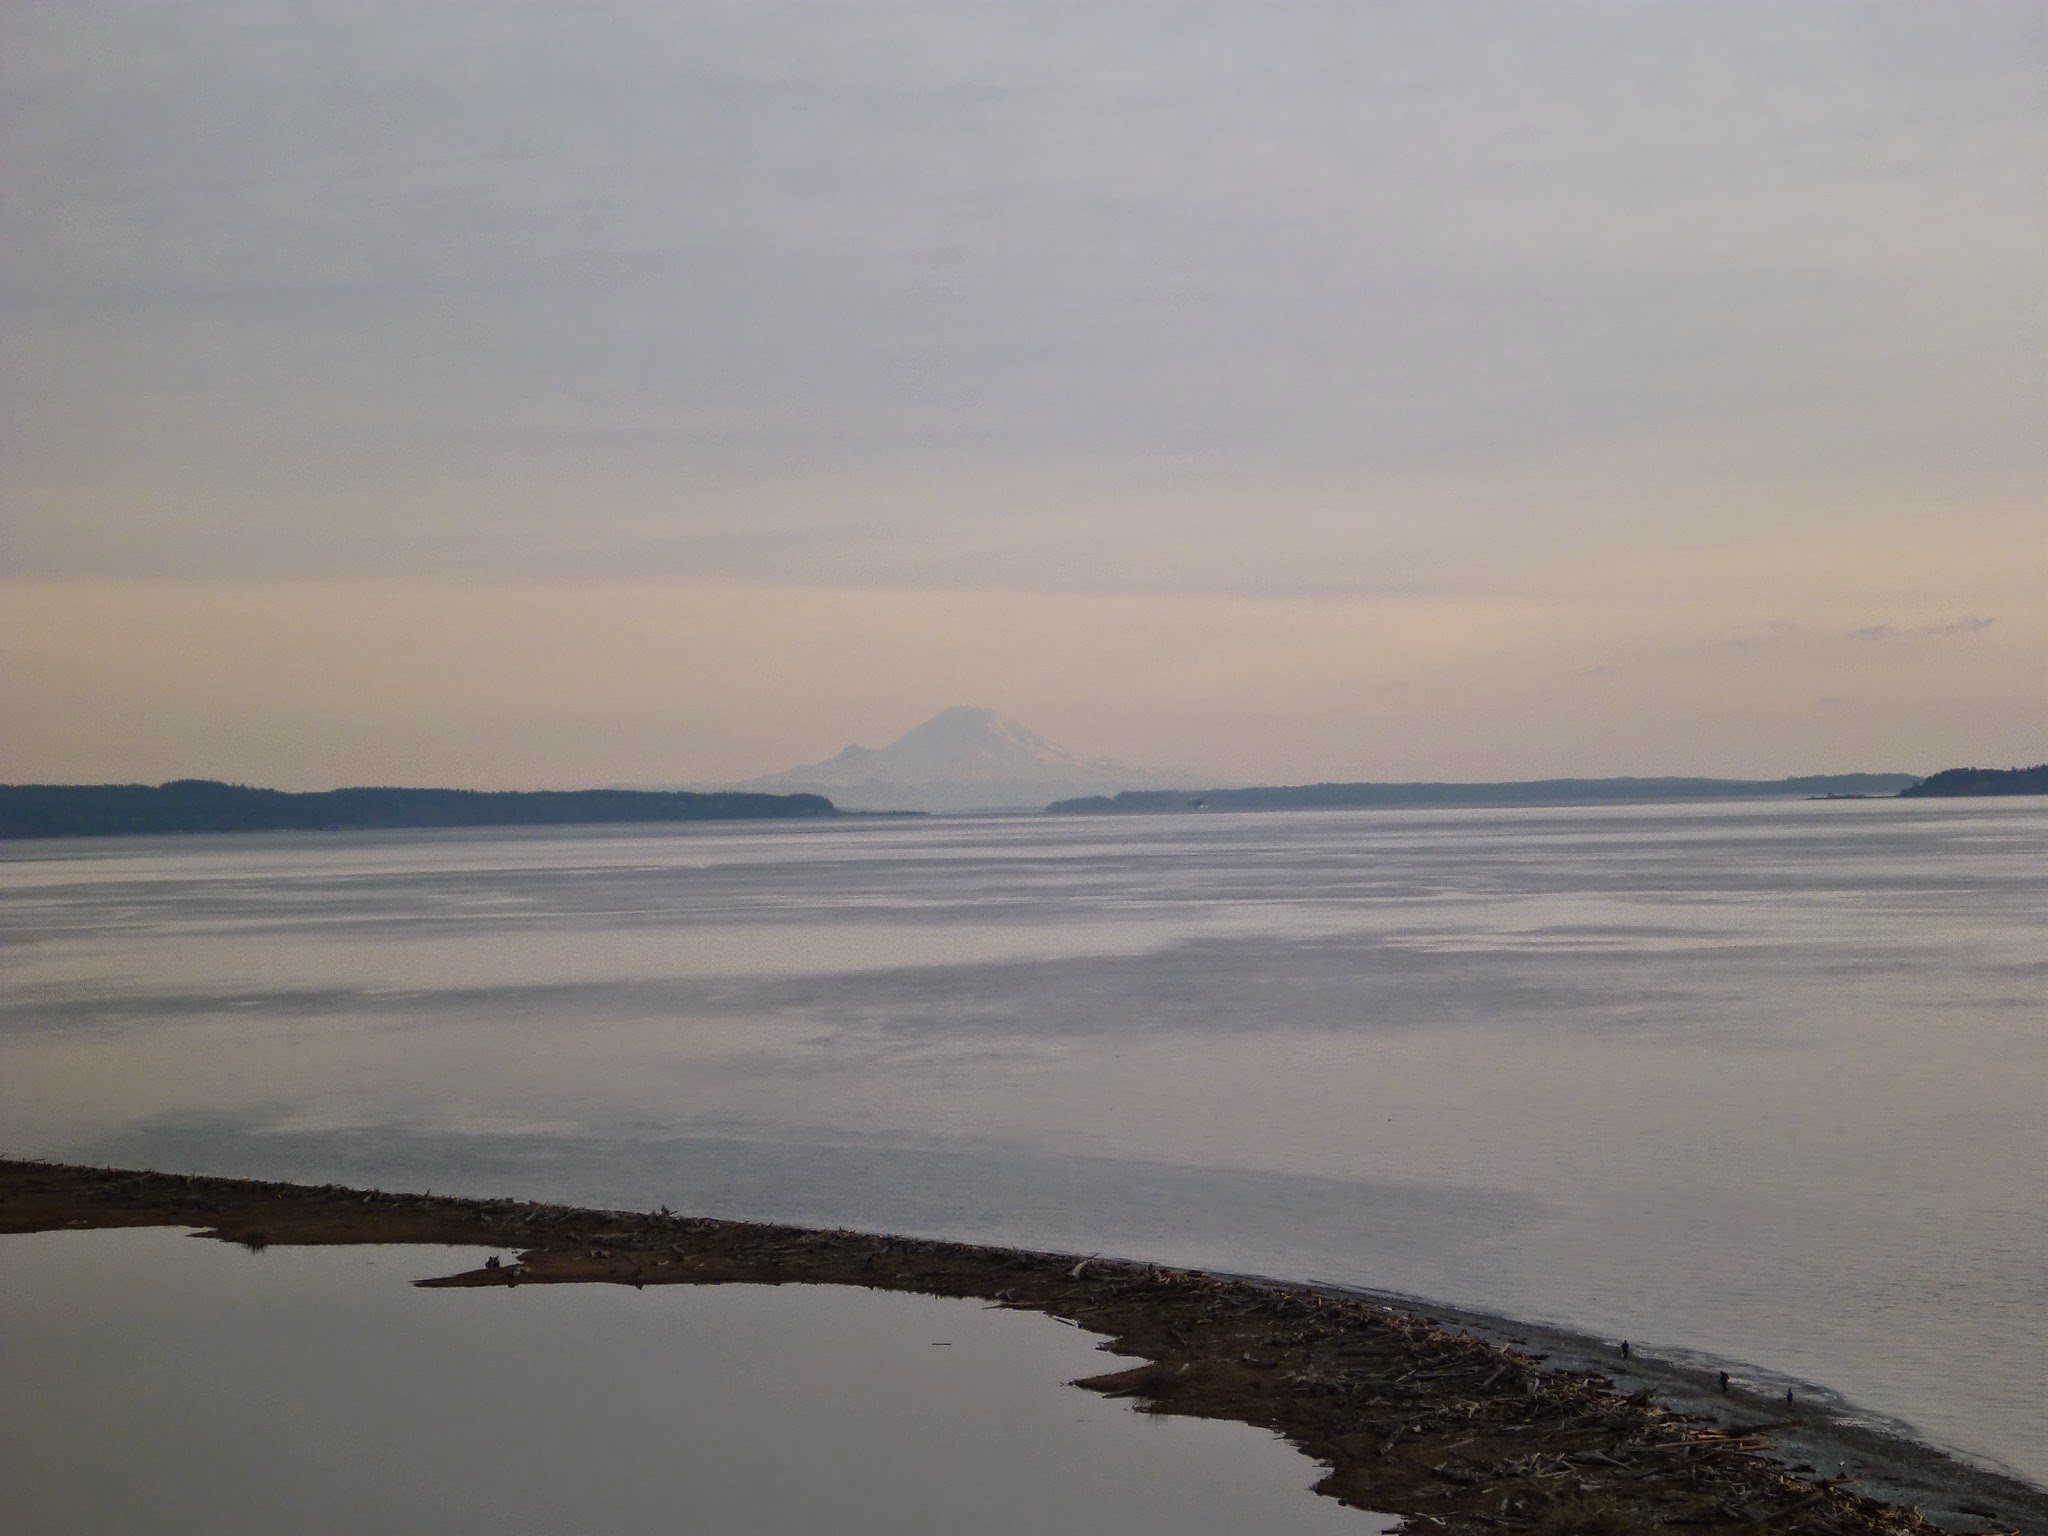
(158, 1383)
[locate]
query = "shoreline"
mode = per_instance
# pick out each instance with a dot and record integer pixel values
(1456, 1420)
(1816, 1431)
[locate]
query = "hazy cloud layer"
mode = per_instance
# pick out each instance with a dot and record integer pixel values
(1468, 333)
(1971, 626)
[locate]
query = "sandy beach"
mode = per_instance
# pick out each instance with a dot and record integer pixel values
(1456, 1420)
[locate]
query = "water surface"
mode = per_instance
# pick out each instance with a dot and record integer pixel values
(1762, 1081)
(158, 1385)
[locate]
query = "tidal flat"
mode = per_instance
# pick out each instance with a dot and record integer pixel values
(1424, 1417)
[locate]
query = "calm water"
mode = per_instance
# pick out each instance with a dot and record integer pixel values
(157, 1386)
(1766, 1082)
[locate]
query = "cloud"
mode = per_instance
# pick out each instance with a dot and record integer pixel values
(1003, 273)
(1605, 669)
(1775, 632)
(1965, 626)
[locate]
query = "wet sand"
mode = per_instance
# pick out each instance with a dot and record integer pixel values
(1457, 1421)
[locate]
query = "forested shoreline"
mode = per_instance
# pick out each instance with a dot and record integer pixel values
(207, 805)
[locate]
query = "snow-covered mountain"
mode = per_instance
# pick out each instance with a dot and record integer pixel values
(962, 759)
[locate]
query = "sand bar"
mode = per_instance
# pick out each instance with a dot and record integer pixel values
(1435, 1417)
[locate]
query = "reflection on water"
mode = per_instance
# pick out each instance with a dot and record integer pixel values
(159, 1384)
(1764, 1081)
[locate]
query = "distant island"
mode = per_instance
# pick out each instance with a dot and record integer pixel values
(207, 805)
(1513, 792)
(1982, 781)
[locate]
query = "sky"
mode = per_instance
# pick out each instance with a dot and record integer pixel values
(536, 394)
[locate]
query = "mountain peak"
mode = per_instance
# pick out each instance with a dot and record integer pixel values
(976, 735)
(966, 757)
(962, 714)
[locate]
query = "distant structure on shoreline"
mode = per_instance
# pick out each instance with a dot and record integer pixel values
(1982, 781)
(1513, 792)
(963, 759)
(206, 805)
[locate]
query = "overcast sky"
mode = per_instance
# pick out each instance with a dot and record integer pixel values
(539, 394)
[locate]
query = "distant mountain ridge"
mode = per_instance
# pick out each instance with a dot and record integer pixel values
(963, 758)
(207, 805)
(1512, 792)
